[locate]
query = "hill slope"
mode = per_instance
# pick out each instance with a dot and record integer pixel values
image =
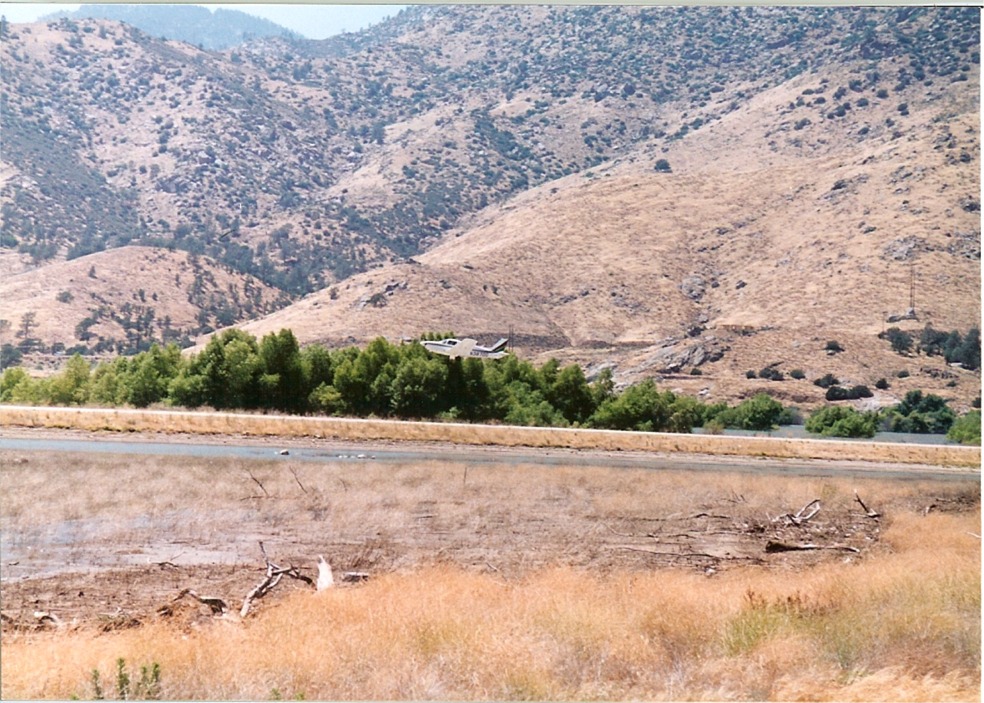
(753, 263)
(754, 172)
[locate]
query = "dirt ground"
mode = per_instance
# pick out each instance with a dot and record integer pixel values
(109, 542)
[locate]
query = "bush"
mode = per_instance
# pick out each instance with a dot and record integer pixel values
(833, 347)
(967, 429)
(881, 384)
(771, 373)
(853, 393)
(759, 413)
(839, 421)
(826, 381)
(902, 374)
(836, 393)
(901, 341)
(797, 374)
(750, 374)
(790, 416)
(921, 414)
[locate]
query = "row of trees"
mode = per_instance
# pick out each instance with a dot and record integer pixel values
(918, 413)
(235, 371)
(952, 346)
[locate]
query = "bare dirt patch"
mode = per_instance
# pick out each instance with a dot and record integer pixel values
(119, 538)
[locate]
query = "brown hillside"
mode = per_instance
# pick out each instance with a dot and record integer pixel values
(132, 295)
(760, 253)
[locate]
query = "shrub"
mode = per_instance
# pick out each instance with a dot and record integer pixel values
(836, 393)
(826, 381)
(967, 429)
(902, 374)
(759, 413)
(797, 374)
(663, 166)
(881, 384)
(901, 341)
(771, 373)
(750, 374)
(833, 347)
(921, 414)
(839, 421)
(853, 393)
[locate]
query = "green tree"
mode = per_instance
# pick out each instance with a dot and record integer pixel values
(571, 395)
(901, 341)
(318, 365)
(282, 380)
(224, 375)
(528, 407)
(761, 412)
(842, 421)
(966, 429)
(639, 407)
(968, 351)
(106, 385)
(418, 389)
(468, 393)
(921, 414)
(71, 386)
(11, 379)
(149, 375)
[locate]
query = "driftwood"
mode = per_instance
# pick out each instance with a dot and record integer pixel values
(45, 617)
(217, 605)
(772, 547)
(802, 516)
(867, 511)
(274, 574)
(325, 577)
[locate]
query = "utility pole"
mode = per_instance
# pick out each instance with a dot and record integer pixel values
(912, 286)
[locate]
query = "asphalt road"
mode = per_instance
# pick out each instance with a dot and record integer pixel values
(324, 451)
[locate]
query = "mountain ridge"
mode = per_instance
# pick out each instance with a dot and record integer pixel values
(524, 170)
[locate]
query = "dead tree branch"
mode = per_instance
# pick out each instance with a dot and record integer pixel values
(802, 516)
(774, 547)
(867, 511)
(216, 605)
(294, 474)
(274, 574)
(257, 481)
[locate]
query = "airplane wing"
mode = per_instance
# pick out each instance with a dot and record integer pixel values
(463, 348)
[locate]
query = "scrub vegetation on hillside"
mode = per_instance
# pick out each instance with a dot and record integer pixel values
(235, 371)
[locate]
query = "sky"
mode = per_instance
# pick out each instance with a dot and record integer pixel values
(312, 21)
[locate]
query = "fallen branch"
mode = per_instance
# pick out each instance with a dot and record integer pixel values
(867, 511)
(274, 574)
(43, 617)
(683, 555)
(774, 547)
(294, 474)
(257, 481)
(217, 605)
(802, 516)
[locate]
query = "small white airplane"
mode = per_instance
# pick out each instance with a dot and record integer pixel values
(459, 348)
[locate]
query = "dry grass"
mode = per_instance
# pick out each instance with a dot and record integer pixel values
(320, 427)
(498, 584)
(903, 626)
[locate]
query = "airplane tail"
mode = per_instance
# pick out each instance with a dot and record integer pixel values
(500, 345)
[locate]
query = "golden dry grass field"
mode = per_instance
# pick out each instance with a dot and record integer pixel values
(485, 581)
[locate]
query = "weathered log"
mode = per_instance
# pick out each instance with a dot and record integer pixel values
(772, 547)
